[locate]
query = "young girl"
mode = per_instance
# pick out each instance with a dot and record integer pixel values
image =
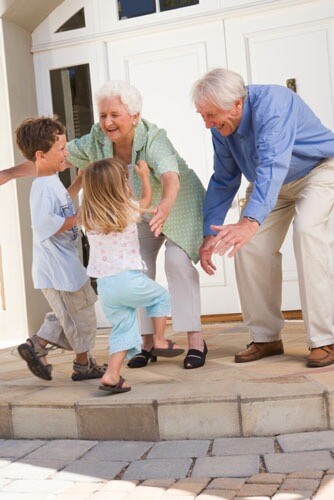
(109, 215)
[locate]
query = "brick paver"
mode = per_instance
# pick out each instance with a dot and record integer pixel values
(189, 470)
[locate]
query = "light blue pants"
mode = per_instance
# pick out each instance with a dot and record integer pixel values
(120, 296)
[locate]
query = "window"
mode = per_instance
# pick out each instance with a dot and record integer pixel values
(72, 102)
(75, 22)
(176, 4)
(131, 8)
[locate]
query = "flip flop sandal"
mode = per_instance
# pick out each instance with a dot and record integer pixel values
(141, 359)
(168, 352)
(115, 389)
(28, 353)
(195, 358)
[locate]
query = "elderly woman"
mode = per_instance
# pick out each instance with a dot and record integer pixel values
(177, 197)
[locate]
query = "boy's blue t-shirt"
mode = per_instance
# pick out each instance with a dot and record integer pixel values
(56, 262)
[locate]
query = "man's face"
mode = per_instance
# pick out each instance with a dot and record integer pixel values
(225, 121)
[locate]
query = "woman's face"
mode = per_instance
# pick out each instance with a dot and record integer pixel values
(115, 120)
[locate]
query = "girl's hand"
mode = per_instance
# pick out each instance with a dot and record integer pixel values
(142, 169)
(157, 222)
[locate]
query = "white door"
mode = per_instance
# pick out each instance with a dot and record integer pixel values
(164, 76)
(64, 79)
(164, 67)
(274, 48)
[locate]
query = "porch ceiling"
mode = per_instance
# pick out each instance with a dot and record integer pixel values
(27, 14)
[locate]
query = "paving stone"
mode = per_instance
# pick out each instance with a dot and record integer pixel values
(32, 469)
(234, 466)
(180, 449)
(79, 491)
(292, 484)
(84, 471)
(208, 420)
(226, 483)
(187, 486)
(146, 493)
(49, 422)
(265, 490)
(328, 478)
(295, 495)
(307, 474)
(116, 495)
(212, 494)
(162, 483)
(325, 492)
(283, 415)
(160, 468)
(5, 495)
(4, 463)
(253, 498)
(63, 448)
(6, 429)
(292, 462)
(306, 441)
(32, 485)
(243, 446)
(266, 478)
(17, 448)
(137, 422)
(118, 451)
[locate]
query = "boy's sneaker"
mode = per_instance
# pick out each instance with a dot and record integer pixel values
(31, 351)
(88, 371)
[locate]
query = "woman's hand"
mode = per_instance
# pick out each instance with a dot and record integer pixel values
(205, 252)
(161, 213)
(170, 187)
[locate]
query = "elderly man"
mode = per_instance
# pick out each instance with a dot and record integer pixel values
(269, 134)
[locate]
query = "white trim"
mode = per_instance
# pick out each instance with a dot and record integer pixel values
(110, 27)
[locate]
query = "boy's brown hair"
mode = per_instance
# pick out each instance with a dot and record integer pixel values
(38, 134)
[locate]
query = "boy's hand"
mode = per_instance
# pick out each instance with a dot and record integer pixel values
(142, 169)
(4, 177)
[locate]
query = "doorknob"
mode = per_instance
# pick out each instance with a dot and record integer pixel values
(241, 202)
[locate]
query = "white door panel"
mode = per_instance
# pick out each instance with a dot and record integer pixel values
(272, 56)
(164, 67)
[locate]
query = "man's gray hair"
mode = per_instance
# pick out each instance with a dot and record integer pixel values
(127, 93)
(219, 87)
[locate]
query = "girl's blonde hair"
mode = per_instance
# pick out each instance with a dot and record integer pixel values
(106, 204)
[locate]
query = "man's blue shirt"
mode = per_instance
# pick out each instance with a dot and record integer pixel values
(279, 139)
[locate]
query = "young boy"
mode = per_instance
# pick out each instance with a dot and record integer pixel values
(56, 268)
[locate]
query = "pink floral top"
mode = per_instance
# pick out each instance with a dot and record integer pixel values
(114, 253)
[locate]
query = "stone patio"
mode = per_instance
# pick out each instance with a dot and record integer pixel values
(276, 395)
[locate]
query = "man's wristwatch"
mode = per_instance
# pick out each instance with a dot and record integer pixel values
(251, 219)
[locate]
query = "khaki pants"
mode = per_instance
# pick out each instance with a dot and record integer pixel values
(308, 202)
(73, 325)
(182, 278)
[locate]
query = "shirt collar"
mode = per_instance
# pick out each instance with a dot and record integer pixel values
(243, 129)
(140, 138)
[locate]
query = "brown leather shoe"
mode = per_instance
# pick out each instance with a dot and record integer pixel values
(321, 356)
(259, 350)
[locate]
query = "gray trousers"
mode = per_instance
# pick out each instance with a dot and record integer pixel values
(308, 202)
(73, 324)
(182, 278)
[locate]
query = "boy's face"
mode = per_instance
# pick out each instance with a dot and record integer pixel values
(53, 160)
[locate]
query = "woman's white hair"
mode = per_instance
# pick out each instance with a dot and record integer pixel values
(219, 87)
(127, 93)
